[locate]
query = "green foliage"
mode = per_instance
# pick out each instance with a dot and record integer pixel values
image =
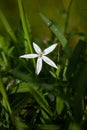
(59, 105)
(8, 27)
(58, 33)
(53, 100)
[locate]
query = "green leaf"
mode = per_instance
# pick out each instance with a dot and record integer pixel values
(56, 30)
(19, 124)
(5, 98)
(20, 75)
(44, 114)
(53, 74)
(38, 96)
(80, 84)
(59, 105)
(25, 27)
(74, 60)
(49, 127)
(8, 27)
(74, 126)
(58, 71)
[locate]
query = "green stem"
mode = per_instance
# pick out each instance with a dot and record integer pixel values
(8, 27)
(5, 98)
(25, 28)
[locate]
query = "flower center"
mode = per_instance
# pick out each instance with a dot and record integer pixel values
(40, 54)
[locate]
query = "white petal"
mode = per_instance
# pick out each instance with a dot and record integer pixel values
(49, 61)
(39, 65)
(29, 56)
(36, 48)
(49, 49)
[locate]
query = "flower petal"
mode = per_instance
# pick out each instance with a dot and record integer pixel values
(39, 65)
(29, 56)
(49, 49)
(36, 48)
(49, 61)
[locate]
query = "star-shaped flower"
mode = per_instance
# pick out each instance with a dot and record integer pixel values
(41, 55)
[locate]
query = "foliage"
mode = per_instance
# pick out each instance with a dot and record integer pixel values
(54, 100)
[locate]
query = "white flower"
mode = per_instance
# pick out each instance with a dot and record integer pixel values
(41, 55)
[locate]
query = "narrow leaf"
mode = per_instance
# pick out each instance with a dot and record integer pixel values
(25, 27)
(5, 98)
(74, 60)
(59, 105)
(58, 34)
(49, 127)
(19, 124)
(8, 27)
(38, 96)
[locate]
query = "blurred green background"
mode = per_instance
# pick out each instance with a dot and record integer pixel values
(53, 9)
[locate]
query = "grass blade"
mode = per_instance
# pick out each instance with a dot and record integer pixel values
(58, 34)
(38, 96)
(5, 98)
(25, 28)
(8, 27)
